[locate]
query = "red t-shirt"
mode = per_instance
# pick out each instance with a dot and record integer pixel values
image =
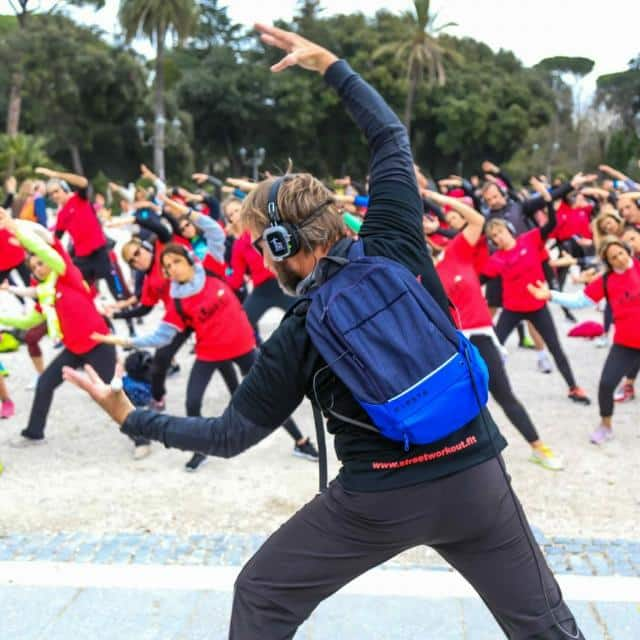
(215, 314)
(572, 222)
(78, 218)
(75, 308)
(623, 295)
(245, 258)
(519, 267)
(11, 251)
(155, 286)
(460, 281)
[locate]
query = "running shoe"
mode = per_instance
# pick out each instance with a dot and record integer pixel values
(8, 409)
(306, 450)
(3, 371)
(602, 342)
(195, 462)
(23, 442)
(141, 451)
(624, 393)
(527, 343)
(32, 384)
(601, 435)
(545, 457)
(157, 405)
(578, 394)
(544, 362)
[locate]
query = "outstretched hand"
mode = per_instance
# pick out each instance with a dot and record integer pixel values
(110, 397)
(540, 290)
(300, 51)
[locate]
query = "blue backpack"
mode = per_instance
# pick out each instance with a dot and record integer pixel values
(390, 343)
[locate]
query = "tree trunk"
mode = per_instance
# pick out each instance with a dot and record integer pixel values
(15, 102)
(408, 107)
(76, 160)
(159, 122)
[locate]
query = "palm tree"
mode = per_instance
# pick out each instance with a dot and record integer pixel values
(420, 50)
(156, 19)
(20, 154)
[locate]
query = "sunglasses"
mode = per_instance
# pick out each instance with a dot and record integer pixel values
(134, 256)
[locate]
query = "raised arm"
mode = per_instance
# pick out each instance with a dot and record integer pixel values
(475, 220)
(73, 179)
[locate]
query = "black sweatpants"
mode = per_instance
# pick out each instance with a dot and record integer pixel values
(102, 358)
(619, 363)
(264, 297)
(162, 361)
(543, 322)
(469, 518)
(500, 388)
(94, 266)
(201, 374)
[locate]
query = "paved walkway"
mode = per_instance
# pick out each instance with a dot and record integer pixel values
(142, 586)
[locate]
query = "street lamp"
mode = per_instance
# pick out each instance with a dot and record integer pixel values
(158, 140)
(256, 159)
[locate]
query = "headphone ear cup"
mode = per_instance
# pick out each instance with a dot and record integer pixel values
(294, 238)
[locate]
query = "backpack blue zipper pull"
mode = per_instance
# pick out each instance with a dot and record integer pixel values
(405, 438)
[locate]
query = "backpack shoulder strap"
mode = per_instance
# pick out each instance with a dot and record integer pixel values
(605, 277)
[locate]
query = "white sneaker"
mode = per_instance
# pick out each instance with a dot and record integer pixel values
(141, 451)
(32, 385)
(602, 342)
(544, 362)
(546, 458)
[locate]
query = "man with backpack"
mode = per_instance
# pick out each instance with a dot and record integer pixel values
(434, 481)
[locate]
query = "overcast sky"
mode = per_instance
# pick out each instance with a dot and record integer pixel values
(532, 30)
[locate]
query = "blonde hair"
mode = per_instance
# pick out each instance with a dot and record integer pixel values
(598, 233)
(299, 196)
(496, 222)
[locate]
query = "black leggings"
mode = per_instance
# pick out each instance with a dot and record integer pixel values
(469, 518)
(201, 374)
(620, 361)
(102, 358)
(162, 361)
(264, 297)
(500, 388)
(543, 322)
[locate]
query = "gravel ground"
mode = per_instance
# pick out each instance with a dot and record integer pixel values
(84, 478)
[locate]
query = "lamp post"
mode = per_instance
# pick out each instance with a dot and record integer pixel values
(554, 149)
(253, 161)
(159, 140)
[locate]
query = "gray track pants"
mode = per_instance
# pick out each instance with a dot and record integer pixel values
(469, 518)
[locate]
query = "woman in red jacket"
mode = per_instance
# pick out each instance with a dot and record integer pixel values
(77, 320)
(518, 261)
(620, 285)
(201, 300)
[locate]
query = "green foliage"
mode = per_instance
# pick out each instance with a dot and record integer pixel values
(567, 64)
(155, 18)
(24, 153)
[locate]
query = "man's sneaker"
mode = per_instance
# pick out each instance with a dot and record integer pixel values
(4, 372)
(157, 405)
(601, 435)
(8, 409)
(141, 451)
(527, 343)
(544, 362)
(173, 369)
(32, 384)
(196, 461)
(23, 442)
(624, 393)
(578, 394)
(306, 450)
(546, 458)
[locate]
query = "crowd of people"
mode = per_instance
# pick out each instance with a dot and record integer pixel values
(501, 254)
(491, 256)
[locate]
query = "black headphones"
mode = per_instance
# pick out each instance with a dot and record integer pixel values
(283, 238)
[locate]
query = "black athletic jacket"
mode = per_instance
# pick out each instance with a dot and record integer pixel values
(283, 373)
